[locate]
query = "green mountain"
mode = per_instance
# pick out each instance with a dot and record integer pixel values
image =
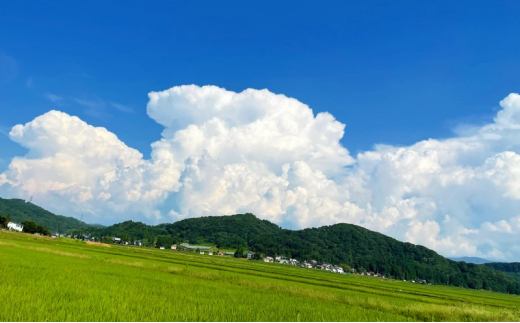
(20, 210)
(510, 268)
(355, 246)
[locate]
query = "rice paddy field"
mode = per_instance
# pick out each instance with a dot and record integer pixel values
(45, 279)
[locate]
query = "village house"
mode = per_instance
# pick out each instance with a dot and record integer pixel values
(306, 264)
(268, 259)
(210, 253)
(250, 255)
(162, 248)
(116, 240)
(202, 252)
(221, 253)
(15, 226)
(173, 247)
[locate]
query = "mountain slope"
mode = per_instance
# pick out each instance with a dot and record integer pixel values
(341, 243)
(510, 268)
(19, 210)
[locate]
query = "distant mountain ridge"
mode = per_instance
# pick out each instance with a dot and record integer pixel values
(19, 210)
(472, 260)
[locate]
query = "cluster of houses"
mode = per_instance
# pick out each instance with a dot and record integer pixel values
(313, 264)
(371, 273)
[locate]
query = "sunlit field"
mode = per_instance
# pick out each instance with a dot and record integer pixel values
(45, 279)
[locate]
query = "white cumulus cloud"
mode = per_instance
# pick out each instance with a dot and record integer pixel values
(223, 152)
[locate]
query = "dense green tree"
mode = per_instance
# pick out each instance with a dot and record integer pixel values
(4, 220)
(164, 241)
(239, 253)
(31, 227)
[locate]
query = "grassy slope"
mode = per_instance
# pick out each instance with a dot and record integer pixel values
(67, 280)
(19, 210)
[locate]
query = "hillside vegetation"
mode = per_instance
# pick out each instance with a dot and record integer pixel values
(512, 269)
(19, 210)
(60, 279)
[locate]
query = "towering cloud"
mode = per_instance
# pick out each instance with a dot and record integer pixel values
(223, 152)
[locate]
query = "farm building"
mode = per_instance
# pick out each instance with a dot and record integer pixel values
(189, 246)
(15, 226)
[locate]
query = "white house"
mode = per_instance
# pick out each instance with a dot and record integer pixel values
(14, 226)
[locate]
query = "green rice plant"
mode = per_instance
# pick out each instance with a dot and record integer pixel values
(45, 279)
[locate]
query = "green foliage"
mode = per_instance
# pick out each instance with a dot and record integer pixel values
(239, 253)
(345, 267)
(131, 231)
(4, 220)
(32, 227)
(512, 268)
(20, 211)
(68, 280)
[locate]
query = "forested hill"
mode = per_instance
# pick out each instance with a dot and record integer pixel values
(20, 210)
(511, 268)
(341, 243)
(355, 246)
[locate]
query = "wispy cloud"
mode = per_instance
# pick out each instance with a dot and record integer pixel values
(4, 130)
(92, 104)
(97, 113)
(121, 107)
(54, 98)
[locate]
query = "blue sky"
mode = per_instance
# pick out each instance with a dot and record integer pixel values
(393, 72)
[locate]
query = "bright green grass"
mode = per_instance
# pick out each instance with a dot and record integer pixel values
(66, 280)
